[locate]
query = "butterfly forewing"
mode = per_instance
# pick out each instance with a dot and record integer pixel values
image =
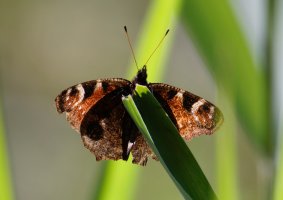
(191, 114)
(78, 99)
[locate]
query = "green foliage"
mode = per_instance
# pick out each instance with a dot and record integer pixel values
(216, 33)
(6, 191)
(118, 179)
(278, 192)
(161, 16)
(243, 92)
(221, 43)
(226, 151)
(165, 140)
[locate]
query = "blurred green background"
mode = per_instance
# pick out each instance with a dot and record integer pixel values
(47, 46)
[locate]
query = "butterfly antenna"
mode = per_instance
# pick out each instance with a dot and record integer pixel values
(129, 41)
(157, 46)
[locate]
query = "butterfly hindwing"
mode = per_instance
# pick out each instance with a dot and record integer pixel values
(101, 127)
(133, 142)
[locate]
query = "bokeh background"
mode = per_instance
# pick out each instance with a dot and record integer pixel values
(47, 46)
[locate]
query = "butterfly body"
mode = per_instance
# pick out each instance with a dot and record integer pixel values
(95, 110)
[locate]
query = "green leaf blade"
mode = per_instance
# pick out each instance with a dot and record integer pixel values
(164, 139)
(160, 16)
(113, 173)
(6, 190)
(220, 40)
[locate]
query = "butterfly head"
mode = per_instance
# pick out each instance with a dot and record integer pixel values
(141, 77)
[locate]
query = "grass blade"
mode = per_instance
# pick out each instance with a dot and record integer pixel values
(6, 191)
(219, 38)
(161, 16)
(278, 192)
(226, 152)
(166, 142)
(114, 173)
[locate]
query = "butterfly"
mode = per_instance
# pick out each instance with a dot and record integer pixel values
(95, 110)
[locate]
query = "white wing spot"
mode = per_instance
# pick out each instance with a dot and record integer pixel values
(195, 108)
(98, 84)
(81, 91)
(68, 93)
(211, 112)
(180, 94)
(197, 104)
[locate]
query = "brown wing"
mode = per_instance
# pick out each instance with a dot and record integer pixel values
(101, 128)
(78, 99)
(191, 114)
(134, 142)
(86, 108)
(95, 110)
(141, 151)
(109, 132)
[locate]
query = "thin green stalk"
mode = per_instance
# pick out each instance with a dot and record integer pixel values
(118, 181)
(269, 66)
(278, 185)
(6, 191)
(277, 73)
(161, 16)
(226, 151)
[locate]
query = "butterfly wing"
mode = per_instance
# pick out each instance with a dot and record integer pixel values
(95, 109)
(78, 99)
(101, 128)
(87, 105)
(191, 114)
(134, 142)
